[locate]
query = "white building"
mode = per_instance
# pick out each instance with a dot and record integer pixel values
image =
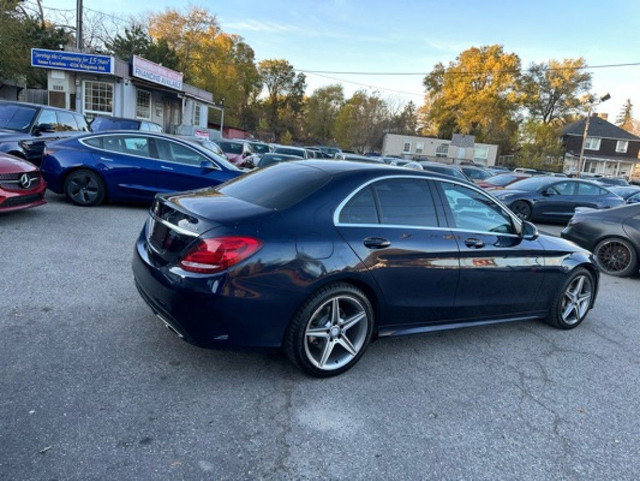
(104, 85)
(460, 148)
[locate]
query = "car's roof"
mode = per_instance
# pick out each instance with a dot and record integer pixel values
(30, 104)
(340, 167)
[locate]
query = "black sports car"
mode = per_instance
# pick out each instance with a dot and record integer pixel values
(612, 235)
(554, 198)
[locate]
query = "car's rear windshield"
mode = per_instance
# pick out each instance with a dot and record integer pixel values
(231, 147)
(290, 151)
(102, 123)
(16, 117)
(278, 187)
(260, 148)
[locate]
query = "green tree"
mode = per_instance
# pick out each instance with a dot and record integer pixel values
(212, 60)
(477, 94)
(361, 123)
(285, 96)
(19, 32)
(552, 89)
(321, 110)
(135, 40)
(625, 117)
(541, 145)
(406, 122)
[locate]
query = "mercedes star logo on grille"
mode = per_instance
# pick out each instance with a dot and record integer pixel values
(25, 181)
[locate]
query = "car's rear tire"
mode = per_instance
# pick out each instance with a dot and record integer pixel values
(331, 331)
(521, 209)
(616, 257)
(84, 187)
(573, 301)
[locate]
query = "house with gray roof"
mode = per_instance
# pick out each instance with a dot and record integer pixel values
(609, 151)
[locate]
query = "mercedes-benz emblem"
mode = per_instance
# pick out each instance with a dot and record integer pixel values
(25, 181)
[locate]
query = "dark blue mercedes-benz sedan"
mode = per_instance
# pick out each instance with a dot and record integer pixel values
(321, 257)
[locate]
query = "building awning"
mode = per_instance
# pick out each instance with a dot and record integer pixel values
(153, 86)
(604, 158)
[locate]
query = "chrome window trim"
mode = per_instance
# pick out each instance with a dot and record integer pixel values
(338, 211)
(215, 164)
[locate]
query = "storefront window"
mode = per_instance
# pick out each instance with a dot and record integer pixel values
(143, 105)
(196, 115)
(98, 98)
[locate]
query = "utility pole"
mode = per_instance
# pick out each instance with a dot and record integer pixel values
(592, 103)
(79, 43)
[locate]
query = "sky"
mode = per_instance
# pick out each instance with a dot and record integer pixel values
(411, 36)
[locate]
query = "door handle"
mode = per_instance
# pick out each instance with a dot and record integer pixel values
(164, 167)
(376, 243)
(106, 159)
(473, 243)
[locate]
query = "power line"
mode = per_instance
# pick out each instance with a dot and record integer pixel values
(363, 84)
(476, 72)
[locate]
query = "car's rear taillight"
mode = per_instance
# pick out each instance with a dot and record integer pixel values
(209, 256)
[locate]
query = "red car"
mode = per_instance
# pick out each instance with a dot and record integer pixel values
(21, 185)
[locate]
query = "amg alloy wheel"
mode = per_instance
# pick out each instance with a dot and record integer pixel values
(331, 331)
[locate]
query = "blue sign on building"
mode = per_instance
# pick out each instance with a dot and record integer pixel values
(79, 62)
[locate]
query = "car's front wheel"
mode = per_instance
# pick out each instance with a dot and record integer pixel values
(84, 187)
(616, 257)
(331, 331)
(573, 301)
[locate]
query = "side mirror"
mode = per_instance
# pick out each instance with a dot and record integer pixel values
(547, 192)
(529, 231)
(40, 128)
(208, 165)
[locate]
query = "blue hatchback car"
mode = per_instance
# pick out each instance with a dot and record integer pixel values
(130, 166)
(321, 257)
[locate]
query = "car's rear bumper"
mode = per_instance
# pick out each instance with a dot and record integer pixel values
(202, 309)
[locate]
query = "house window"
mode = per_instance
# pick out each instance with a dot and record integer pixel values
(196, 115)
(592, 143)
(143, 104)
(406, 148)
(481, 154)
(622, 146)
(419, 147)
(442, 150)
(98, 98)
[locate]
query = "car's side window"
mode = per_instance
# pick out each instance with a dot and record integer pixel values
(634, 198)
(136, 145)
(48, 117)
(405, 202)
(66, 122)
(589, 189)
(564, 188)
(174, 152)
(361, 209)
(474, 211)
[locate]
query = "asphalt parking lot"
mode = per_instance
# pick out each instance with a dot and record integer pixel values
(94, 388)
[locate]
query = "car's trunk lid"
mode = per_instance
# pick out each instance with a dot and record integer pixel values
(177, 220)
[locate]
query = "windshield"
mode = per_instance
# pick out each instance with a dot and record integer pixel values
(476, 174)
(16, 117)
(231, 147)
(100, 124)
(202, 146)
(260, 148)
(534, 183)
